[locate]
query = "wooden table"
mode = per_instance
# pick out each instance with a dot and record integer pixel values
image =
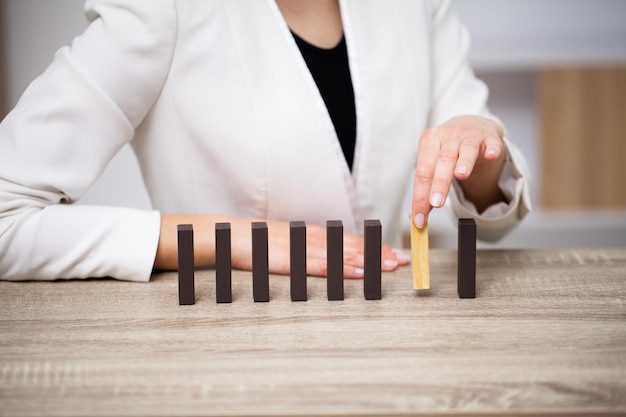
(547, 334)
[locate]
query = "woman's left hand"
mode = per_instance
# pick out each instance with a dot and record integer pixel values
(469, 148)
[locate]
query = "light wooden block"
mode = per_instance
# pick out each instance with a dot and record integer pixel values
(419, 257)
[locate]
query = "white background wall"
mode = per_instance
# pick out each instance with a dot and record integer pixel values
(35, 29)
(511, 40)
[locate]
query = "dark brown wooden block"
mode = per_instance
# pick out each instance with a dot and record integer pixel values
(297, 255)
(186, 269)
(373, 255)
(260, 263)
(334, 259)
(223, 266)
(466, 277)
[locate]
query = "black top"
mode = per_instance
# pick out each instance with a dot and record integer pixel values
(331, 72)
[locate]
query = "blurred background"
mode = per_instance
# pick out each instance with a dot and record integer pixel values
(556, 70)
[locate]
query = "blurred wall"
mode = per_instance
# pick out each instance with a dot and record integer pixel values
(513, 41)
(32, 31)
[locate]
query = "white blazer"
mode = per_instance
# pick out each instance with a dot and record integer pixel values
(225, 117)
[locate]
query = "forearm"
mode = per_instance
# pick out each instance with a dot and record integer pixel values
(204, 238)
(63, 241)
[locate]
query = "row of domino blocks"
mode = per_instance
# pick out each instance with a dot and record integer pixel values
(466, 274)
(260, 262)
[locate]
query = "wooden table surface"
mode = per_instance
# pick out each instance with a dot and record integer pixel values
(546, 334)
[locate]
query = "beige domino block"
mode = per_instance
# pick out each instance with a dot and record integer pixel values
(419, 257)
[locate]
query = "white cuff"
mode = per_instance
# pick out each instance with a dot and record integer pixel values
(500, 218)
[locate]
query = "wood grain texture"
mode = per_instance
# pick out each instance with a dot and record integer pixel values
(583, 137)
(547, 335)
(420, 257)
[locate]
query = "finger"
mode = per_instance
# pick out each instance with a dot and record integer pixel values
(390, 258)
(473, 153)
(444, 171)
(353, 253)
(401, 257)
(494, 146)
(424, 172)
(353, 243)
(316, 242)
(468, 153)
(353, 259)
(318, 267)
(354, 264)
(353, 272)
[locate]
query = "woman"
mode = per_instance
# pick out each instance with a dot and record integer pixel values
(246, 110)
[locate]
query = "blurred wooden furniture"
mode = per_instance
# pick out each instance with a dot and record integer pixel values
(545, 335)
(583, 137)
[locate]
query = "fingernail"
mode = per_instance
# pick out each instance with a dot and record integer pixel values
(401, 255)
(419, 220)
(390, 263)
(358, 271)
(490, 152)
(462, 170)
(436, 199)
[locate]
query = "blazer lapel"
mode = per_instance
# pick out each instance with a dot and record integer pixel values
(305, 166)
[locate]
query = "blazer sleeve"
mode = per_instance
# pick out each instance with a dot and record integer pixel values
(457, 91)
(67, 126)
